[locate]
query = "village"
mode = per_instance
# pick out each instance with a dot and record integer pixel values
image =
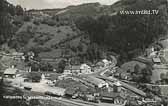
(102, 83)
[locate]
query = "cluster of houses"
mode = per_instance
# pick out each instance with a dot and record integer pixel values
(116, 95)
(157, 56)
(86, 69)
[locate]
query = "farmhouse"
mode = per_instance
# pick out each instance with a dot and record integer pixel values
(85, 69)
(156, 60)
(77, 69)
(10, 73)
(106, 62)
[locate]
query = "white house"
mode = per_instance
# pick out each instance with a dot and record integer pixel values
(106, 62)
(77, 69)
(85, 69)
(74, 69)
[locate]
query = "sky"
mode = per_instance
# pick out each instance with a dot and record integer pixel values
(45, 4)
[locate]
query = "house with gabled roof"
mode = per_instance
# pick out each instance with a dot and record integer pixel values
(113, 97)
(10, 72)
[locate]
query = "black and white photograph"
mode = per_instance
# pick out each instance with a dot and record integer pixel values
(83, 52)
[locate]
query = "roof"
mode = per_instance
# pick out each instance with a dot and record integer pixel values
(156, 60)
(10, 71)
(133, 89)
(100, 63)
(17, 54)
(117, 83)
(109, 94)
(56, 90)
(105, 61)
(52, 77)
(75, 67)
(127, 86)
(162, 66)
(94, 80)
(83, 66)
(144, 60)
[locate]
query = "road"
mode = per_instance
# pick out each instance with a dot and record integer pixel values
(100, 75)
(100, 71)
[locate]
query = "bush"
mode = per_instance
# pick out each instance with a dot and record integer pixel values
(26, 18)
(23, 38)
(18, 22)
(36, 22)
(49, 22)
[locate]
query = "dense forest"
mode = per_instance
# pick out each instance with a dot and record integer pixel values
(124, 33)
(7, 12)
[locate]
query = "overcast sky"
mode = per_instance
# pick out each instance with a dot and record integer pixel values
(41, 4)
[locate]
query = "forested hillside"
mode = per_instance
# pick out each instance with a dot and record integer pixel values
(126, 34)
(87, 31)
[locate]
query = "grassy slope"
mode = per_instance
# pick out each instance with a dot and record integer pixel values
(54, 34)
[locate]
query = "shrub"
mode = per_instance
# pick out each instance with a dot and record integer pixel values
(26, 18)
(49, 22)
(18, 22)
(23, 37)
(36, 22)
